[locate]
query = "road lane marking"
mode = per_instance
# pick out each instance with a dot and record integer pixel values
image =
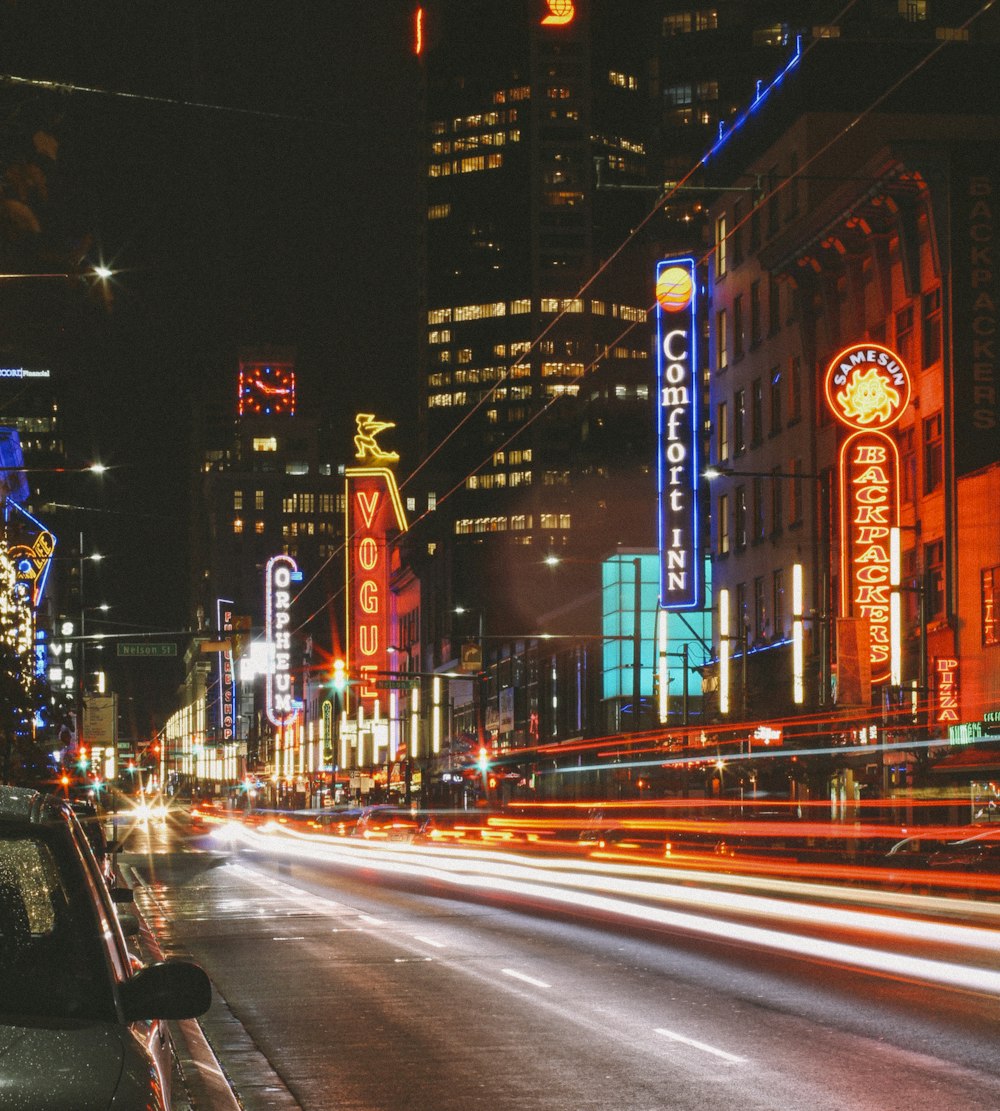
(430, 941)
(370, 920)
(523, 976)
(731, 1057)
(301, 937)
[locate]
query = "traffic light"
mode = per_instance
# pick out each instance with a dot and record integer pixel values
(339, 675)
(484, 760)
(82, 760)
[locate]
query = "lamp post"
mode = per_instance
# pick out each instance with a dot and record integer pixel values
(636, 638)
(94, 557)
(479, 679)
(824, 540)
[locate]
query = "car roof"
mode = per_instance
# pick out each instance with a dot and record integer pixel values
(24, 804)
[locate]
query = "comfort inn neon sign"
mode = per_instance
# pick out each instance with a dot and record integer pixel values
(677, 434)
(868, 389)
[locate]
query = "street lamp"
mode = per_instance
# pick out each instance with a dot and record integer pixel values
(478, 677)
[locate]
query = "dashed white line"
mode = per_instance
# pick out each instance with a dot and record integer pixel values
(731, 1057)
(523, 976)
(430, 941)
(370, 920)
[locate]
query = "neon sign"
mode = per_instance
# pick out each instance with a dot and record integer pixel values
(868, 389)
(227, 682)
(374, 508)
(267, 389)
(677, 434)
(946, 710)
(560, 13)
(281, 572)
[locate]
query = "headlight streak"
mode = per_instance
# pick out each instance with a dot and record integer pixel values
(581, 884)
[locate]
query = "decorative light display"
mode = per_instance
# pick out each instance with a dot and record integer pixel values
(868, 389)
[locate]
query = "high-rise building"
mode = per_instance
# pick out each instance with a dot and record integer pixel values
(263, 488)
(535, 373)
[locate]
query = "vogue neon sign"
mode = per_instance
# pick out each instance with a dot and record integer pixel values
(867, 389)
(677, 434)
(373, 509)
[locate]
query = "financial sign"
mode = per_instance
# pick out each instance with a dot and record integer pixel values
(677, 434)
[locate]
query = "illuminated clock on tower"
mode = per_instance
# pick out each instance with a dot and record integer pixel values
(267, 389)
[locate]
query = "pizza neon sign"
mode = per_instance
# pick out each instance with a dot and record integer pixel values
(868, 388)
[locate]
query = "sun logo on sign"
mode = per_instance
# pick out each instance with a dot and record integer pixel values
(868, 397)
(561, 12)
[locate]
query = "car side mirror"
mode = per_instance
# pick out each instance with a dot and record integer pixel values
(122, 895)
(168, 989)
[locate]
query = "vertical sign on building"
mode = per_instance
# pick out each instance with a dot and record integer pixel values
(868, 389)
(281, 572)
(227, 681)
(677, 434)
(374, 514)
(946, 706)
(975, 305)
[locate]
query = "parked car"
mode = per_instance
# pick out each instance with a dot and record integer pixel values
(81, 1019)
(979, 852)
(92, 824)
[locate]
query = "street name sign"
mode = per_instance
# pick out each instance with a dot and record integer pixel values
(146, 651)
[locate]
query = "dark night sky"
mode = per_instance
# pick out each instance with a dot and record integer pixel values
(227, 228)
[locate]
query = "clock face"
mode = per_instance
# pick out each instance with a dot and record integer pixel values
(267, 389)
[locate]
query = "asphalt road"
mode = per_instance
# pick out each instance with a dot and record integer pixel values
(339, 988)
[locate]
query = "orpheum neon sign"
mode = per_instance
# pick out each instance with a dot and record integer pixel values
(868, 389)
(677, 434)
(281, 572)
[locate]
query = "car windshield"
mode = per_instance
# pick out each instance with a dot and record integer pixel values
(51, 960)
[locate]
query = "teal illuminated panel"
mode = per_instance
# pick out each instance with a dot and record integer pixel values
(691, 628)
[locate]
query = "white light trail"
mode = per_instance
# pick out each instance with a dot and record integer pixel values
(589, 885)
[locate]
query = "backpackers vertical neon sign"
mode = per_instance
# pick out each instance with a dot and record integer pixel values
(677, 434)
(868, 389)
